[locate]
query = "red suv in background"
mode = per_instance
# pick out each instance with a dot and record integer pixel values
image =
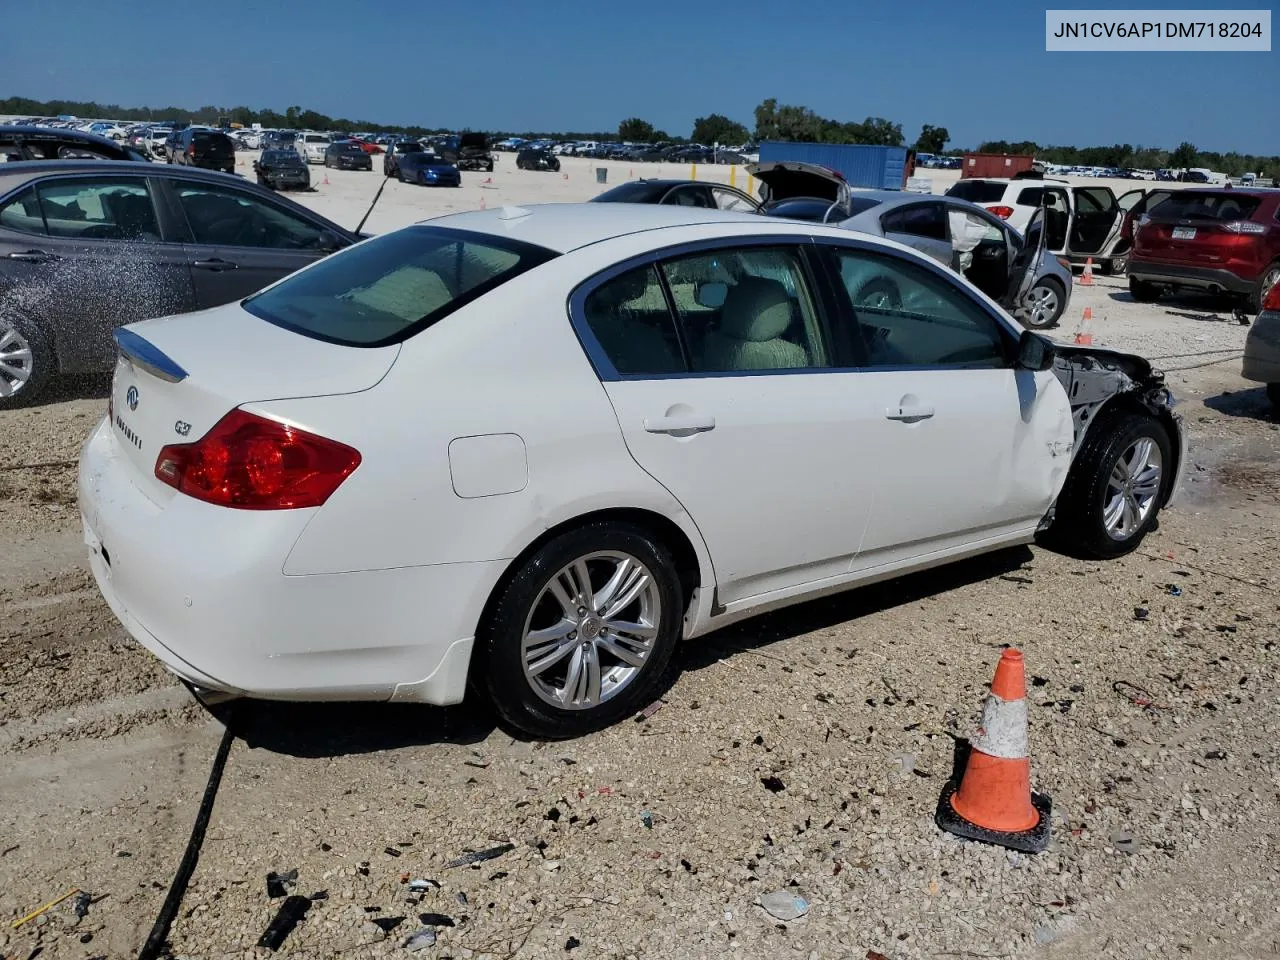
(1221, 241)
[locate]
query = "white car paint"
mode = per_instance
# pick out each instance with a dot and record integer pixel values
(486, 430)
(312, 146)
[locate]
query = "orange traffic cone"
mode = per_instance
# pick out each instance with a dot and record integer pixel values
(566, 176)
(1086, 278)
(486, 180)
(1084, 337)
(325, 181)
(482, 201)
(993, 802)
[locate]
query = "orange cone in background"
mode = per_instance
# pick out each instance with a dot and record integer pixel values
(1086, 278)
(325, 181)
(993, 801)
(482, 201)
(1084, 336)
(566, 176)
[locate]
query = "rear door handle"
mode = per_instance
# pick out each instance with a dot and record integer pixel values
(908, 414)
(34, 256)
(681, 423)
(215, 264)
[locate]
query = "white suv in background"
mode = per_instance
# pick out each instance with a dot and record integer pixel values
(312, 146)
(1081, 222)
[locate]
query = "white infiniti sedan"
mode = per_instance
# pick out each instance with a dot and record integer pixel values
(534, 448)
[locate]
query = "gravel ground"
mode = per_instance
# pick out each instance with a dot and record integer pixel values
(657, 838)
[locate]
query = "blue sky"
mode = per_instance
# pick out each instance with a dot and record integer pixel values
(978, 69)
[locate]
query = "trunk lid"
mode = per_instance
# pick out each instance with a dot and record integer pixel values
(177, 376)
(786, 180)
(1192, 227)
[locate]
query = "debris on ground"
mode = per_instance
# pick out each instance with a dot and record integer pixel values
(422, 886)
(646, 817)
(649, 711)
(461, 898)
(426, 937)
(1173, 590)
(1138, 695)
(436, 920)
(279, 884)
(572, 943)
(773, 784)
(1122, 841)
(480, 856)
(81, 904)
(41, 910)
(287, 917)
(1141, 613)
(784, 905)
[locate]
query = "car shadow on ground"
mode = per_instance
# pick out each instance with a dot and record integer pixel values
(88, 386)
(1251, 404)
(1218, 309)
(338, 729)
(850, 605)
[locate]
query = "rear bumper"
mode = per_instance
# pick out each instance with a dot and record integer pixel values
(1184, 275)
(203, 589)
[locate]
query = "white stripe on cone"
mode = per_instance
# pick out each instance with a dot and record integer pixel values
(1004, 729)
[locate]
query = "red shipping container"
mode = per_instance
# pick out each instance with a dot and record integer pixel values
(994, 164)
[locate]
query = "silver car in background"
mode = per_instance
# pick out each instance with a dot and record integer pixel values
(960, 235)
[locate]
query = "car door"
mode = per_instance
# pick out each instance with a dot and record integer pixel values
(967, 450)
(1095, 222)
(83, 254)
(239, 242)
(1059, 216)
(1024, 263)
(922, 226)
(718, 370)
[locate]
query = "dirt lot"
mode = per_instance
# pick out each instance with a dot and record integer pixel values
(1157, 740)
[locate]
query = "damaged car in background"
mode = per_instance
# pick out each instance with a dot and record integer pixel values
(753, 437)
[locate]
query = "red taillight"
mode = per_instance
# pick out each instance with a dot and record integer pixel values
(1245, 226)
(1004, 213)
(1272, 301)
(252, 463)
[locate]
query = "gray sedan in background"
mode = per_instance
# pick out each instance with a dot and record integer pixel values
(958, 234)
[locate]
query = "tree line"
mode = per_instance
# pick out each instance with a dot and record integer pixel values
(773, 121)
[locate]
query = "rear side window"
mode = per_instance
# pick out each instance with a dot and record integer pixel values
(978, 191)
(918, 220)
(389, 288)
(1197, 205)
(630, 319)
(1031, 197)
(22, 213)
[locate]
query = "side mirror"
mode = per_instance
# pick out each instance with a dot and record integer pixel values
(1034, 352)
(711, 295)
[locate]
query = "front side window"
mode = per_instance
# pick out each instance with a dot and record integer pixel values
(107, 209)
(732, 200)
(909, 316)
(22, 213)
(746, 309)
(388, 288)
(219, 216)
(629, 317)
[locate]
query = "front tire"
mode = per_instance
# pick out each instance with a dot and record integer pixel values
(26, 361)
(1116, 486)
(1045, 304)
(584, 633)
(1144, 292)
(1270, 277)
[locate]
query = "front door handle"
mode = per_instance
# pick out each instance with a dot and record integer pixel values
(215, 264)
(685, 423)
(911, 414)
(34, 256)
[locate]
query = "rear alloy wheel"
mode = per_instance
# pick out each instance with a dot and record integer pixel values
(26, 362)
(1116, 266)
(583, 634)
(1045, 304)
(1270, 277)
(1116, 486)
(1144, 292)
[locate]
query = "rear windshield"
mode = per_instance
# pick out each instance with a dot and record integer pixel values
(1198, 205)
(977, 191)
(409, 146)
(316, 138)
(389, 288)
(634, 192)
(350, 147)
(281, 156)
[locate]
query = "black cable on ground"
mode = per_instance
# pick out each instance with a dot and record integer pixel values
(178, 888)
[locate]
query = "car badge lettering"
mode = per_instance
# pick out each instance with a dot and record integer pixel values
(182, 428)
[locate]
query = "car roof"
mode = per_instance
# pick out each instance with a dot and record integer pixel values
(29, 170)
(567, 226)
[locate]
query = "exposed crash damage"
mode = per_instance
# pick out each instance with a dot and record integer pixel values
(1112, 387)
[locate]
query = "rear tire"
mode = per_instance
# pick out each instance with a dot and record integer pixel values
(1115, 267)
(525, 697)
(1273, 394)
(1115, 488)
(1143, 291)
(1049, 300)
(27, 361)
(1270, 277)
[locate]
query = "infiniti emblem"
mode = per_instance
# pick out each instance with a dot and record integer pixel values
(131, 398)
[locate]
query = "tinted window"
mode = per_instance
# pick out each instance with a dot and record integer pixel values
(978, 191)
(117, 209)
(689, 197)
(732, 200)
(636, 192)
(857, 205)
(226, 217)
(746, 309)
(804, 208)
(908, 316)
(918, 220)
(629, 317)
(1030, 197)
(1198, 205)
(1094, 200)
(22, 213)
(389, 288)
(407, 147)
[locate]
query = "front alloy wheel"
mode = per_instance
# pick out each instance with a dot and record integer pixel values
(1133, 488)
(583, 633)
